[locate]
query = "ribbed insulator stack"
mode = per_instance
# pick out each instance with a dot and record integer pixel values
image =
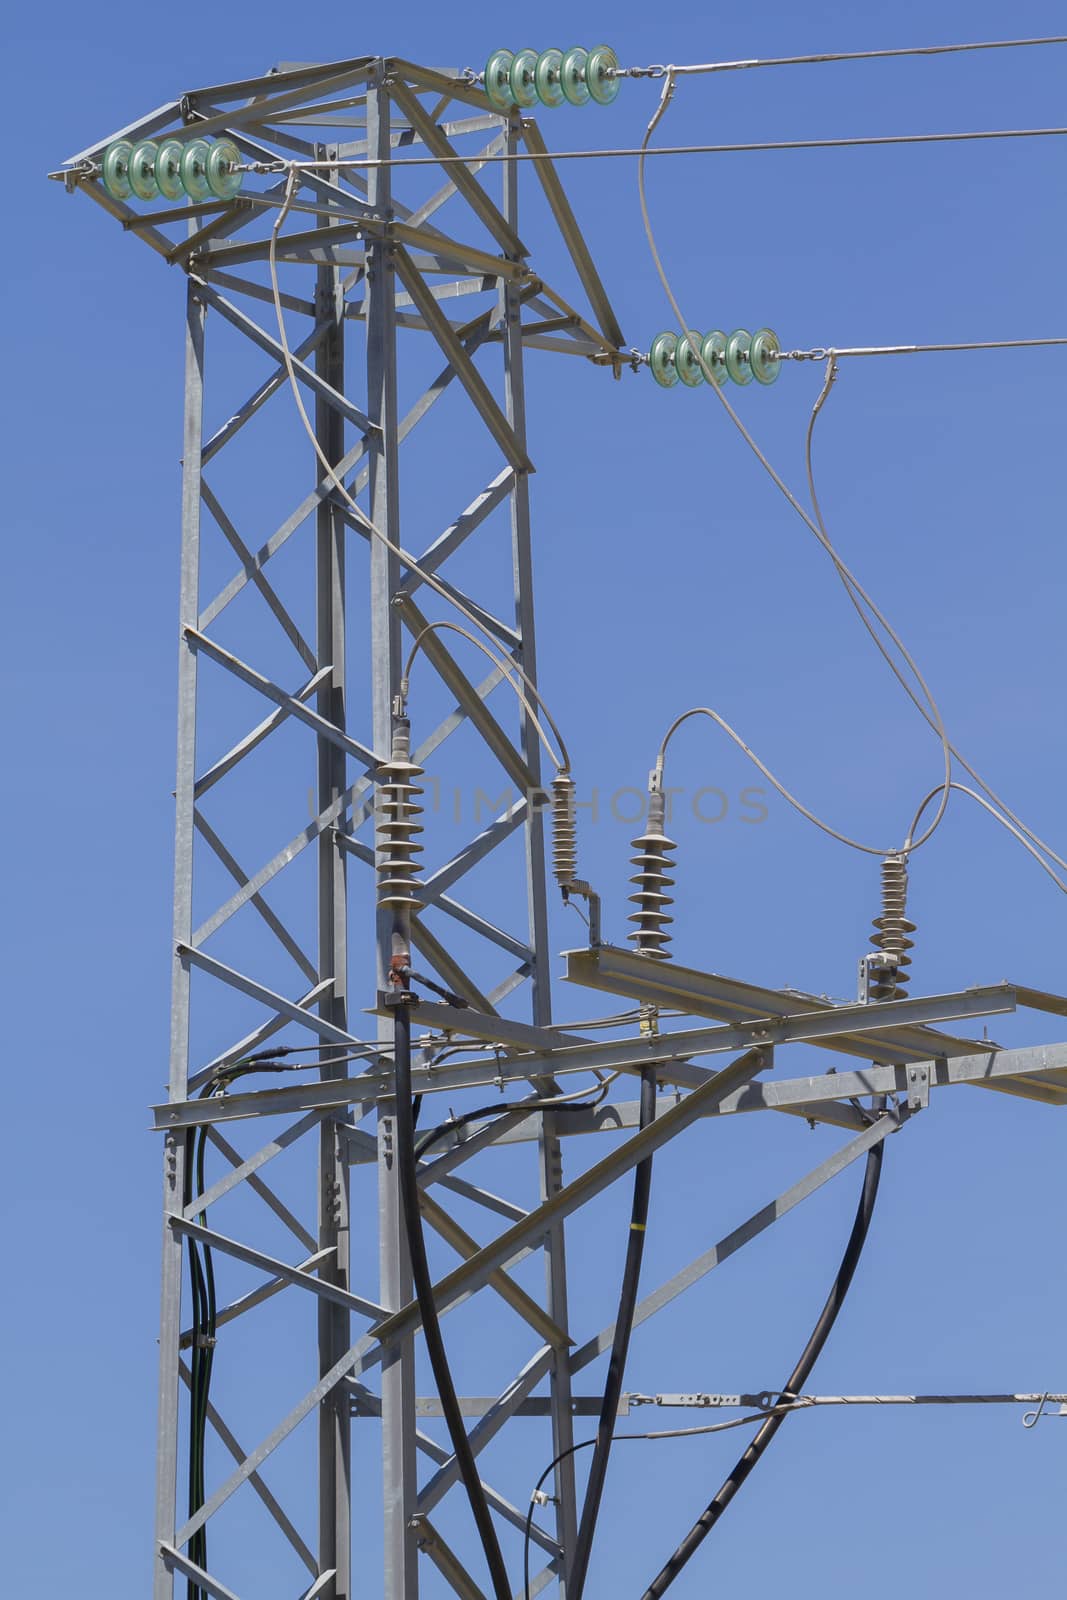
(564, 830)
(396, 811)
(653, 863)
(893, 927)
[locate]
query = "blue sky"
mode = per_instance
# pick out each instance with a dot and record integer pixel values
(669, 573)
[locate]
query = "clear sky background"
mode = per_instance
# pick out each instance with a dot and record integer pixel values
(669, 572)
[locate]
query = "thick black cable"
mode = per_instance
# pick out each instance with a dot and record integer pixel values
(572, 1449)
(810, 1354)
(620, 1345)
(195, 1463)
(432, 1135)
(407, 1176)
(210, 1314)
(204, 1308)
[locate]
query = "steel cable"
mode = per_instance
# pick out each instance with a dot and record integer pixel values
(809, 522)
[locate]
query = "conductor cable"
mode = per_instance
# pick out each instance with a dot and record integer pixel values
(1021, 834)
(842, 838)
(577, 1101)
(999, 808)
(620, 1345)
(518, 157)
(407, 1174)
(562, 762)
(664, 101)
(810, 1354)
(847, 55)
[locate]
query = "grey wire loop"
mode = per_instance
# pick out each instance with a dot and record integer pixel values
(1031, 1418)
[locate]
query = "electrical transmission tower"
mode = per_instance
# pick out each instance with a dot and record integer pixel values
(293, 672)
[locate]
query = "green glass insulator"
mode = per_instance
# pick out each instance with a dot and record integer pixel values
(713, 350)
(687, 360)
(498, 80)
(115, 169)
(194, 169)
(765, 356)
(169, 169)
(523, 80)
(572, 76)
(547, 78)
(224, 175)
(738, 363)
(662, 359)
(142, 172)
(601, 74)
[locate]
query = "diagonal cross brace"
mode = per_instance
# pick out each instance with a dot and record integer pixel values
(474, 1273)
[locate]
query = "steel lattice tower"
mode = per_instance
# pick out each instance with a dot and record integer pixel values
(375, 267)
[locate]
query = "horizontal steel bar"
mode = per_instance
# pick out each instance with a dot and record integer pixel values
(288, 74)
(1031, 1072)
(727, 999)
(537, 1405)
(262, 106)
(668, 1048)
(370, 1405)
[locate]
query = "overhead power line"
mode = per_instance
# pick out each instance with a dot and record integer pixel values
(847, 55)
(504, 157)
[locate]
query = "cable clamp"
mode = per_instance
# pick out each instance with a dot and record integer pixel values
(701, 1401)
(918, 1076)
(205, 1341)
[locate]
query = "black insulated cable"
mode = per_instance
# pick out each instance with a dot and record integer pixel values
(620, 1344)
(407, 1176)
(432, 1135)
(797, 1378)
